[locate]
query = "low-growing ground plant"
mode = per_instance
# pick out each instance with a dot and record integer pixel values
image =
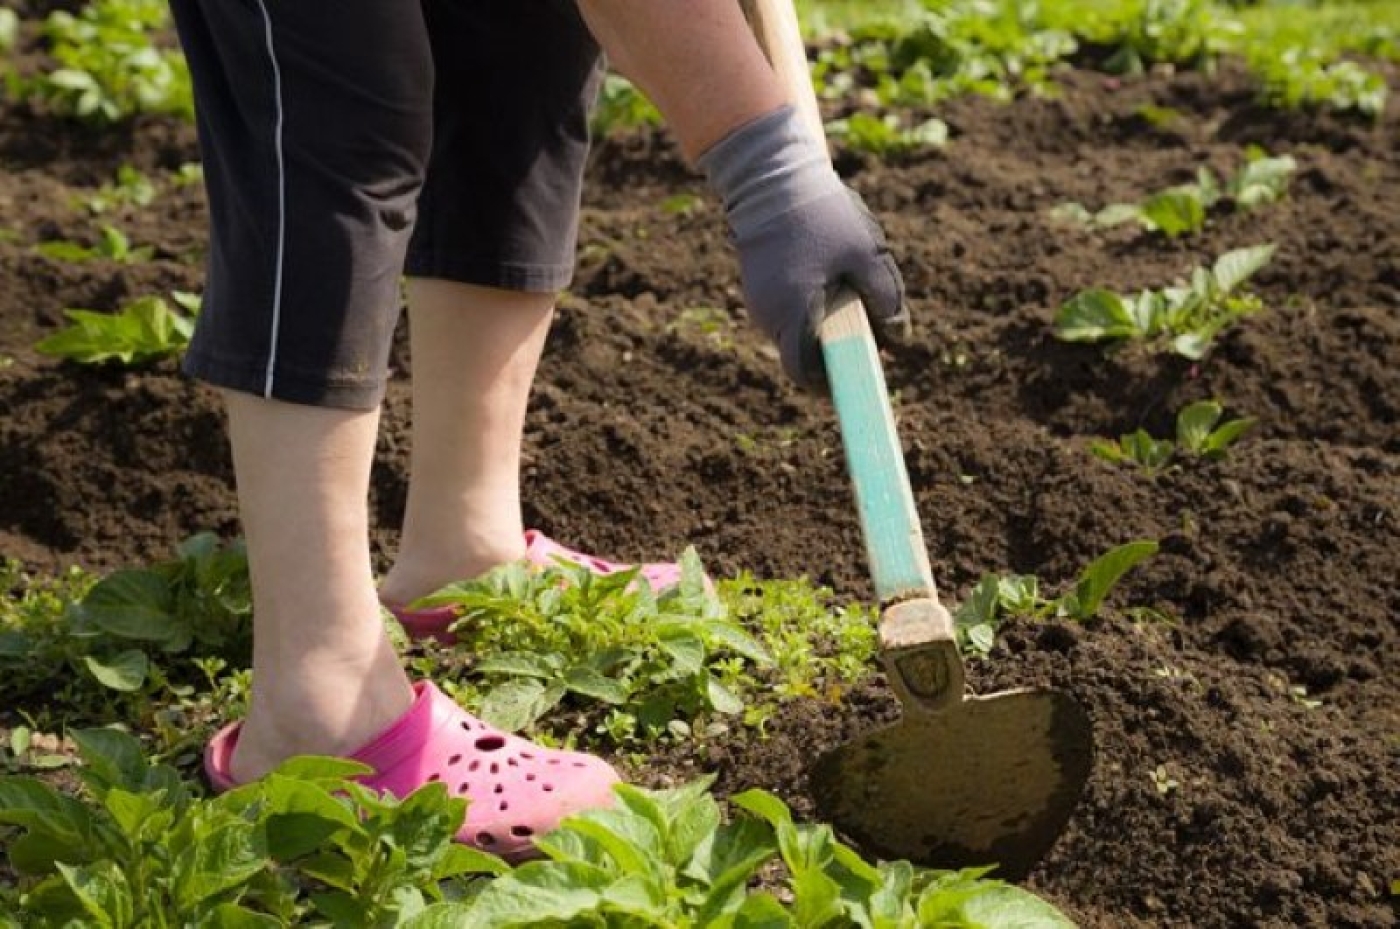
(307, 846)
(622, 106)
(110, 66)
(997, 598)
(145, 330)
(130, 187)
(112, 244)
(887, 135)
(1199, 432)
(1184, 319)
(1185, 208)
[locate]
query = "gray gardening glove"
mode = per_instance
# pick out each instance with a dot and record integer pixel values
(802, 234)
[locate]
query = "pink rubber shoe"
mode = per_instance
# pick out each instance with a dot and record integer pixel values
(542, 551)
(517, 789)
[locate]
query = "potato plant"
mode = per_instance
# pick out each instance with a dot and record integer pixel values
(1184, 319)
(1199, 432)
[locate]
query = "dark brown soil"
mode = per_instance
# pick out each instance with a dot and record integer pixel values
(1219, 798)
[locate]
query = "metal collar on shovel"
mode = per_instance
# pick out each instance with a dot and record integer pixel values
(958, 782)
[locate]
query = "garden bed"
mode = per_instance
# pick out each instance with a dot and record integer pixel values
(1248, 723)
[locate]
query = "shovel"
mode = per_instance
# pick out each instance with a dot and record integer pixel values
(959, 781)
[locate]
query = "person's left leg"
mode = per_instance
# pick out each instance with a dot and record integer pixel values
(475, 351)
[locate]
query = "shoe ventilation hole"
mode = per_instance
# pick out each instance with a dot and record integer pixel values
(579, 764)
(526, 755)
(505, 805)
(490, 743)
(495, 768)
(548, 788)
(512, 762)
(499, 789)
(453, 760)
(485, 838)
(521, 832)
(530, 777)
(463, 787)
(476, 763)
(434, 777)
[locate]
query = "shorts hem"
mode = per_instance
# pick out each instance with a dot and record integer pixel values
(518, 276)
(289, 387)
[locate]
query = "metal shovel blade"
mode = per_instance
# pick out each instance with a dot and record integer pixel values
(990, 780)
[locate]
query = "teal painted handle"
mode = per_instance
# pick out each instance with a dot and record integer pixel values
(894, 540)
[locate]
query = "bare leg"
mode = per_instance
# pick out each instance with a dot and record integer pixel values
(475, 351)
(325, 676)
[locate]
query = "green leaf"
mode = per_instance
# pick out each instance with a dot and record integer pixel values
(1007, 907)
(113, 756)
(516, 703)
(301, 816)
(103, 891)
(732, 636)
(233, 916)
(133, 604)
(1175, 212)
(763, 911)
(520, 664)
(590, 683)
(220, 860)
(1092, 315)
(539, 892)
(721, 698)
(460, 860)
(687, 650)
(125, 672)
(1228, 434)
(324, 770)
(65, 822)
(1100, 577)
(1234, 268)
(1194, 424)
(630, 840)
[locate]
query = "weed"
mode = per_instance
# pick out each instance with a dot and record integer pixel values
(129, 188)
(1184, 319)
(886, 136)
(1163, 781)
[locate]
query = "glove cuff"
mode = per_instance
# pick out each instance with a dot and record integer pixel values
(766, 168)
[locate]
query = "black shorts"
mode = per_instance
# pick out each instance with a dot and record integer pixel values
(348, 142)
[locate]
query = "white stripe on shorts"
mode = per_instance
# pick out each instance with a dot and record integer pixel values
(281, 202)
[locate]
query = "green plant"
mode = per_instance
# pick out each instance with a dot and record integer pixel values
(112, 244)
(144, 330)
(1299, 78)
(1184, 208)
(997, 598)
(303, 844)
(307, 846)
(543, 635)
(886, 135)
(1184, 319)
(1199, 431)
(1189, 33)
(129, 188)
(622, 106)
(667, 859)
(110, 66)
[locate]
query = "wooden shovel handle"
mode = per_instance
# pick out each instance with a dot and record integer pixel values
(917, 638)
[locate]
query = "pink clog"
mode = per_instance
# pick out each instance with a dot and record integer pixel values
(542, 551)
(517, 789)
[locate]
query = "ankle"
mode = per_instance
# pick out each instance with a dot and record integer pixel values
(419, 570)
(318, 705)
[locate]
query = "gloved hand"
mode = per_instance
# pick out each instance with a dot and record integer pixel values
(802, 234)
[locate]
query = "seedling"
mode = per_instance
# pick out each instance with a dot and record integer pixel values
(1199, 432)
(998, 598)
(1184, 319)
(144, 330)
(886, 135)
(130, 188)
(1184, 209)
(622, 106)
(1163, 781)
(1297, 78)
(112, 244)
(110, 66)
